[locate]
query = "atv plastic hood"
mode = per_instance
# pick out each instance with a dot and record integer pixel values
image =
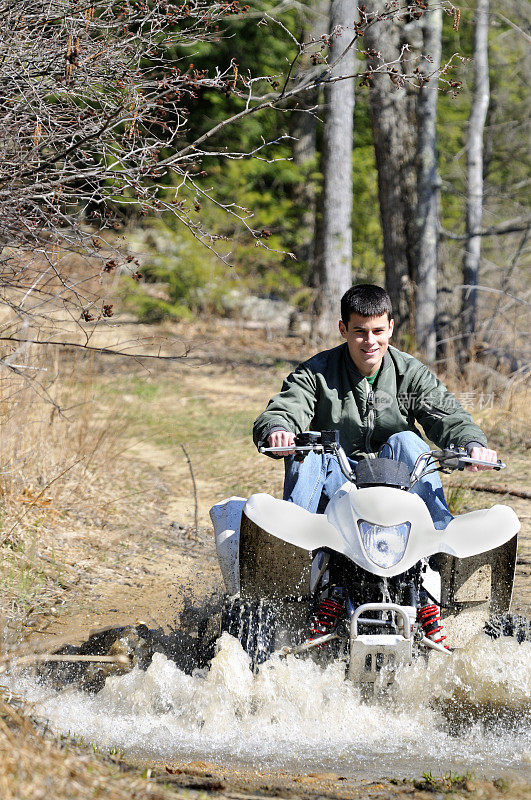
(292, 524)
(466, 535)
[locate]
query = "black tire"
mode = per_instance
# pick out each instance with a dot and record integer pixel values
(253, 623)
(509, 625)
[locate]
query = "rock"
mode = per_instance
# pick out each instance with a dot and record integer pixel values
(136, 643)
(232, 301)
(274, 314)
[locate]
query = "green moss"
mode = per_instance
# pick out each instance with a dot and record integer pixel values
(447, 784)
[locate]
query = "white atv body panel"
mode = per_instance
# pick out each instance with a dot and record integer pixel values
(466, 535)
(293, 524)
(226, 518)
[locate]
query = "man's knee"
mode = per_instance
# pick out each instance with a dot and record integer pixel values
(408, 439)
(405, 436)
(405, 446)
(303, 479)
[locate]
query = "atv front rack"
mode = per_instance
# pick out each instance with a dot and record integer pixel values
(371, 654)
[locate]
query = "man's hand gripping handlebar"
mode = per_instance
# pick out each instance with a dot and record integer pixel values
(282, 443)
(285, 443)
(315, 441)
(450, 459)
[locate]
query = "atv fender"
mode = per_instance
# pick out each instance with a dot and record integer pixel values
(486, 578)
(480, 569)
(255, 563)
(226, 517)
(269, 566)
(480, 531)
(293, 524)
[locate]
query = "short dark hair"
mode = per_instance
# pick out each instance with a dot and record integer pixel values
(367, 300)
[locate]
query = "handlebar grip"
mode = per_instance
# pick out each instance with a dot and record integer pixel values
(466, 460)
(294, 448)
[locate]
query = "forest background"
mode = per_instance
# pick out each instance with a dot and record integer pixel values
(171, 160)
(283, 186)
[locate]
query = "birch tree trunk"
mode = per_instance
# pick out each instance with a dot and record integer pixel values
(474, 169)
(313, 22)
(335, 267)
(394, 135)
(428, 186)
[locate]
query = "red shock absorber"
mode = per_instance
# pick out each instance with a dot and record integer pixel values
(326, 618)
(430, 619)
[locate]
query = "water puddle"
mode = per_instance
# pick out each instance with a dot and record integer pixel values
(470, 712)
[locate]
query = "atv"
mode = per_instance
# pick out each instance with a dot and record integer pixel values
(370, 581)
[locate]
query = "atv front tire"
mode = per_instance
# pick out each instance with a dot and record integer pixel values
(253, 623)
(208, 632)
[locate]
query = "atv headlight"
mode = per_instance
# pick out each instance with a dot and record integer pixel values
(385, 546)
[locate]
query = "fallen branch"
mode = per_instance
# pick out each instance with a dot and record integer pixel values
(91, 348)
(18, 661)
(492, 489)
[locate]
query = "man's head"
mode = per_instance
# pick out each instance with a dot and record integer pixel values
(367, 300)
(367, 325)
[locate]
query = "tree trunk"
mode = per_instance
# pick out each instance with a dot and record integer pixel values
(313, 22)
(474, 168)
(392, 111)
(427, 187)
(335, 268)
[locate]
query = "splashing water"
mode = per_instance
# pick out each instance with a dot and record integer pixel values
(297, 715)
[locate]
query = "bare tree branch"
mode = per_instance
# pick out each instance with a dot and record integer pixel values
(511, 226)
(94, 124)
(93, 349)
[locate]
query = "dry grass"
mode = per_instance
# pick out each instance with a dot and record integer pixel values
(508, 420)
(62, 478)
(34, 766)
(500, 404)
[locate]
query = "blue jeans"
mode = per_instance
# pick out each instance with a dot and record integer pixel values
(312, 482)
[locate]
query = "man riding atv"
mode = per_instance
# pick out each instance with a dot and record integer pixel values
(374, 395)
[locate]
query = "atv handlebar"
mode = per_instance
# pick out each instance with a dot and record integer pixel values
(316, 448)
(325, 442)
(463, 459)
(451, 458)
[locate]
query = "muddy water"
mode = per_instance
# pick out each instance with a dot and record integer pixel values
(468, 712)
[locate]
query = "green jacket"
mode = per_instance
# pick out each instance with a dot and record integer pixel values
(327, 392)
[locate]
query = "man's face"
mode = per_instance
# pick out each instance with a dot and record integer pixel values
(367, 340)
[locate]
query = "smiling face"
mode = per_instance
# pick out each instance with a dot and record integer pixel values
(367, 340)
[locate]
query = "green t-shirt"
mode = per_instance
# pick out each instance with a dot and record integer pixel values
(371, 378)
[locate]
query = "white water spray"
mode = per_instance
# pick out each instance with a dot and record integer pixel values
(297, 715)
